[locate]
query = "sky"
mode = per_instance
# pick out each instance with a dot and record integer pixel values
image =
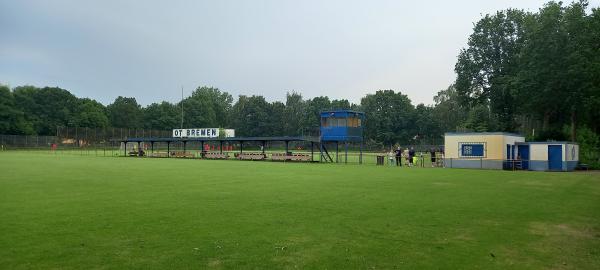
(151, 49)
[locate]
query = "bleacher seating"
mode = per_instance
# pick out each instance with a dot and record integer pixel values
(251, 156)
(290, 157)
(215, 155)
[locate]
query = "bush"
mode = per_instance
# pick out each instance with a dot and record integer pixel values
(589, 147)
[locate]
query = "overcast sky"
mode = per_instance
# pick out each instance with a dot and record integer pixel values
(150, 49)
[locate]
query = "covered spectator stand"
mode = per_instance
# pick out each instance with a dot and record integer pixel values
(341, 126)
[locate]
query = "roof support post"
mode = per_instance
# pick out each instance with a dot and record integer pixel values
(337, 151)
(287, 147)
(361, 153)
(312, 151)
(346, 160)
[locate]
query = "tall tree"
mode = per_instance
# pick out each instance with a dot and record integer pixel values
(125, 112)
(486, 68)
(389, 117)
(313, 109)
(295, 114)
(448, 110)
(12, 119)
(162, 116)
(90, 113)
(251, 116)
(46, 108)
(207, 107)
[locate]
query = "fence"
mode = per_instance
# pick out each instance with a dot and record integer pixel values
(76, 138)
(105, 142)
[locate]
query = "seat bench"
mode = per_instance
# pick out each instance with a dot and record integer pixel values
(215, 155)
(251, 156)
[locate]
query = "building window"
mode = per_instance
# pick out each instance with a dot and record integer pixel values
(472, 149)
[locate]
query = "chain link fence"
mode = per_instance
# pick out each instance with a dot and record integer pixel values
(106, 142)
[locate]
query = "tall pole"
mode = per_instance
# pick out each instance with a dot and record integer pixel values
(181, 107)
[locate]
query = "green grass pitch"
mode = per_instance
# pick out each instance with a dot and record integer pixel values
(85, 212)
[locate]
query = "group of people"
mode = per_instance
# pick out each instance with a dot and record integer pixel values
(399, 155)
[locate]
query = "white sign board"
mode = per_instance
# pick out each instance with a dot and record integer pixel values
(201, 133)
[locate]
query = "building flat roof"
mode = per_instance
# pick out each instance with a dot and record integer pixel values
(482, 134)
(231, 139)
(549, 142)
(341, 111)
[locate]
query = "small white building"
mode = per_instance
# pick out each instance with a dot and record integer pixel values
(549, 156)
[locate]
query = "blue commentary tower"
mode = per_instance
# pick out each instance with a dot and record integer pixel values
(343, 126)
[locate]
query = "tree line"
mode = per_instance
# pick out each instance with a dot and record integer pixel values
(536, 73)
(392, 116)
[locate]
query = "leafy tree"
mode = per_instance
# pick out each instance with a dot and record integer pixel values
(389, 117)
(125, 112)
(486, 68)
(448, 110)
(426, 126)
(162, 116)
(314, 107)
(480, 119)
(276, 119)
(90, 113)
(207, 107)
(252, 116)
(340, 104)
(12, 120)
(46, 108)
(295, 114)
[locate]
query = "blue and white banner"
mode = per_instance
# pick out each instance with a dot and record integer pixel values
(201, 133)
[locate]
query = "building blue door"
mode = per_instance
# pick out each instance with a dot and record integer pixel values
(555, 157)
(524, 153)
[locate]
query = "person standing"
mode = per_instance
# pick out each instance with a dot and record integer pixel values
(411, 155)
(432, 153)
(399, 156)
(391, 157)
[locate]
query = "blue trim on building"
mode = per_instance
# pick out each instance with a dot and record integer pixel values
(570, 165)
(538, 165)
(473, 164)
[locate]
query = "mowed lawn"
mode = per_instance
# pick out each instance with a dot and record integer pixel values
(72, 212)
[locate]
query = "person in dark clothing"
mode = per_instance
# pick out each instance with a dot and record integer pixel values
(411, 154)
(399, 156)
(432, 153)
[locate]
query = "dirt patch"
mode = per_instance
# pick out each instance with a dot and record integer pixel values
(557, 230)
(532, 183)
(214, 263)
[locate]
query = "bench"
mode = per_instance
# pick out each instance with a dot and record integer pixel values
(215, 155)
(159, 154)
(182, 155)
(290, 157)
(251, 156)
(582, 167)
